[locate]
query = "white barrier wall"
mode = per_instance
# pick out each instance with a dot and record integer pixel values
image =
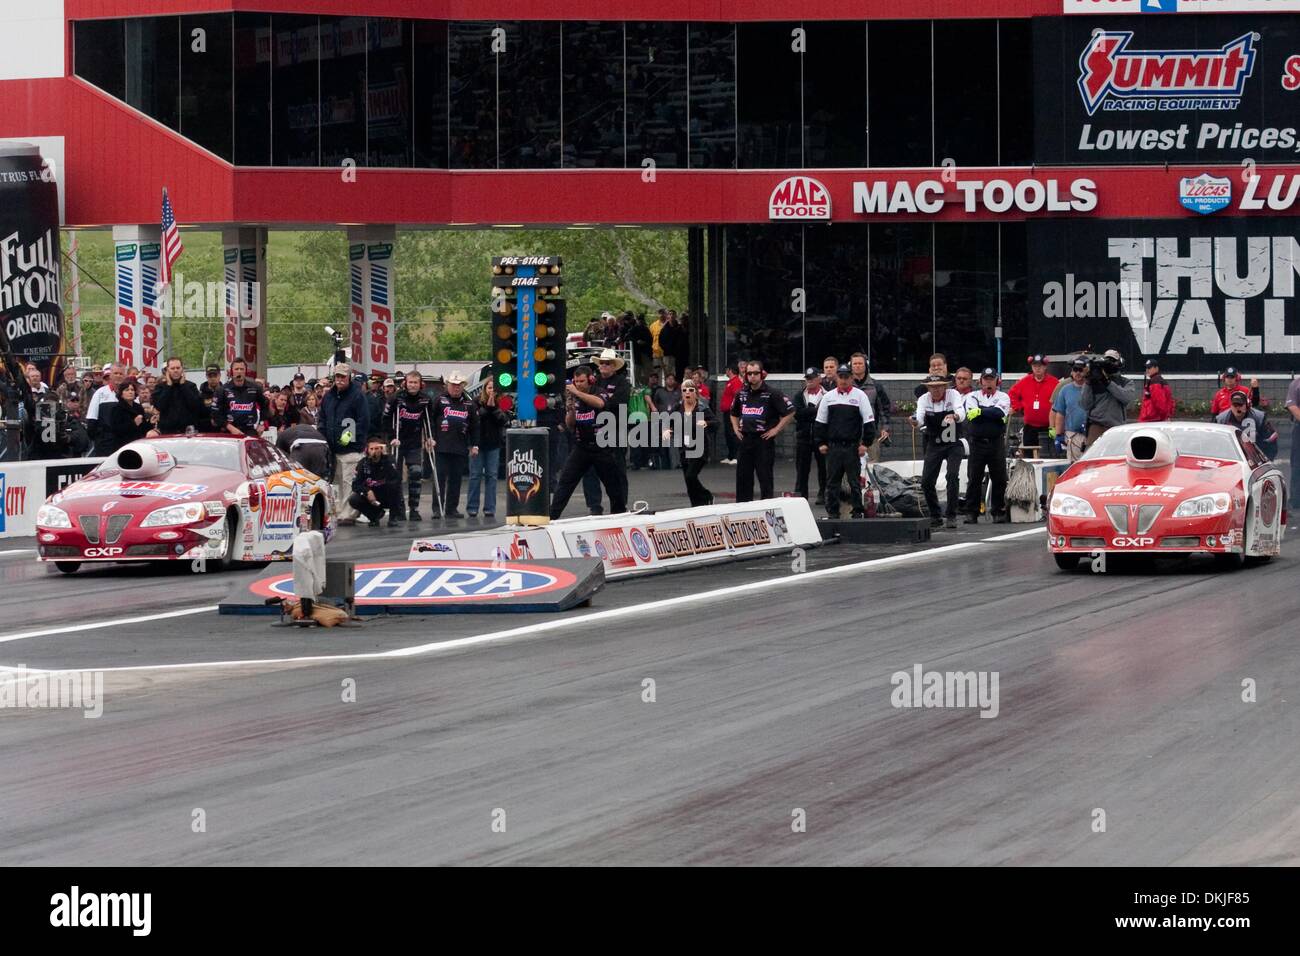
(630, 544)
(24, 486)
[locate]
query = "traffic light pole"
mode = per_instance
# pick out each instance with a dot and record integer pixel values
(526, 388)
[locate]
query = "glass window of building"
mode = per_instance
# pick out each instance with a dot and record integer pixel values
(769, 102)
(1015, 93)
(429, 95)
(835, 95)
(836, 283)
(966, 92)
(901, 296)
(899, 81)
(528, 103)
(966, 292)
(593, 95)
(764, 265)
(153, 68)
(472, 98)
(99, 54)
(656, 94)
(206, 102)
(388, 92)
(712, 106)
(343, 42)
(295, 93)
(251, 59)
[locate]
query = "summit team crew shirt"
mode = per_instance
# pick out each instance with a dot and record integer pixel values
(760, 409)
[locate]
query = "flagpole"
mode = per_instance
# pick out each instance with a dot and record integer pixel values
(74, 298)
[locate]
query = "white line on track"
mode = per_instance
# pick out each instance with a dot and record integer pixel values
(544, 627)
(17, 551)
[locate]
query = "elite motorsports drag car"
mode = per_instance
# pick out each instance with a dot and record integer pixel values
(1169, 488)
(218, 499)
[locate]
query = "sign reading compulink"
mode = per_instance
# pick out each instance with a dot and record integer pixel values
(31, 286)
(1179, 89)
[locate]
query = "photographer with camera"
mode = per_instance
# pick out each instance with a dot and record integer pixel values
(1106, 394)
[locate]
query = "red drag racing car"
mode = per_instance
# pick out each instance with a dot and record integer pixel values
(1169, 488)
(223, 499)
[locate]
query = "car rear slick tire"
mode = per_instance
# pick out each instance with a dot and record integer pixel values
(1066, 562)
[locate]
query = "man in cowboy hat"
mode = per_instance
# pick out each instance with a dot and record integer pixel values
(939, 413)
(455, 439)
(614, 387)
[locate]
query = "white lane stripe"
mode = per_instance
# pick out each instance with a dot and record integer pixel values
(1015, 534)
(543, 627)
(18, 551)
(102, 624)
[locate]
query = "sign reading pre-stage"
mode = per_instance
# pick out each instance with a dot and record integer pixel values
(1150, 89)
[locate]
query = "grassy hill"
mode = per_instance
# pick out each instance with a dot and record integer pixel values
(443, 286)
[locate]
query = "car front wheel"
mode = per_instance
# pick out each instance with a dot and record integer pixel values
(68, 567)
(1066, 562)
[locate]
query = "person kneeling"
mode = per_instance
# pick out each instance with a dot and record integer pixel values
(377, 485)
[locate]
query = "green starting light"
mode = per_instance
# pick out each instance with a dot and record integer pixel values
(505, 380)
(541, 379)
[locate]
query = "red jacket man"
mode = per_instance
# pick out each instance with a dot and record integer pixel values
(1231, 383)
(1032, 397)
(1157, 398)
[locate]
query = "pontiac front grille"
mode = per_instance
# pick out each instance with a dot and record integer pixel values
(1147, 516)
(1118, 515)
(116, 525)
(90, 527)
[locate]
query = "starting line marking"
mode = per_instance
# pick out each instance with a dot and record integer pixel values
(492, 637)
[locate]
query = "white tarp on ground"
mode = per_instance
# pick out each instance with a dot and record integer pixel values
(630, 543)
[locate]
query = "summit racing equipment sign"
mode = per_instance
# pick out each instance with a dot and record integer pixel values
(1182, 6)
(1158, 89)
(1114, 76)
(799, 198)
(432, 582)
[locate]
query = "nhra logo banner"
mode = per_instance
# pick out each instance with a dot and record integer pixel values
(1200, 293)
(435, 582)
(1155, 89)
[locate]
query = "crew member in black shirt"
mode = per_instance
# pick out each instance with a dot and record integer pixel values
(242, 407)
(376, 486)
(757, 414)
(585, 403)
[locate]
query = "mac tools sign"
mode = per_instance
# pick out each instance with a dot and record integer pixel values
(1201, 293)
(1142, 89)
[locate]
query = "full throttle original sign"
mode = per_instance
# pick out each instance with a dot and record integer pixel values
(1146, 89)
(31, 291)
(1200, 293)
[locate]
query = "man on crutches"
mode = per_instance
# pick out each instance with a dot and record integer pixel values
(410, 413)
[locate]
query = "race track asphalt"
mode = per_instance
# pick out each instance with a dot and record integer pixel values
(1120, 692)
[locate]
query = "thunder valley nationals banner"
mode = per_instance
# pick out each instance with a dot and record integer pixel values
(1151, 89)
(1200, 293)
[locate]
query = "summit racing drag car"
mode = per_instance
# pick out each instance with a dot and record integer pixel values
(221, 498)
(1169, 488)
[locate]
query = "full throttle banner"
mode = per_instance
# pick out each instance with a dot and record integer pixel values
(31, 284)
(1199, 293)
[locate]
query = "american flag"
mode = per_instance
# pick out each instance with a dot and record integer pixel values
(171, 242)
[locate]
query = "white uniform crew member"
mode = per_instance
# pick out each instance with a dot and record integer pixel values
(987, 411)
(844, 429)
(939, 413)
